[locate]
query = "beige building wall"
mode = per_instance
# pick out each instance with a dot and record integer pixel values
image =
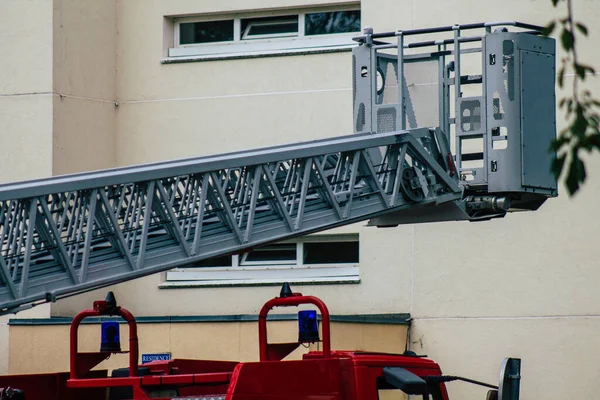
(25, 103)
(57, 96)
(58, 104)
(25, 90)
(39, 348)
(84, 84)
(169, 111)
(42, 311)
(384, 287)
(477, 292)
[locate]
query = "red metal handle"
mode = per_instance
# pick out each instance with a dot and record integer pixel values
(295, 300)
(97, 311)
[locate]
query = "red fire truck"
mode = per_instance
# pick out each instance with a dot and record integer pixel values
(325, 374)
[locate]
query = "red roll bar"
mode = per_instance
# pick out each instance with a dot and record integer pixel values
(295, 299)
(82, 363)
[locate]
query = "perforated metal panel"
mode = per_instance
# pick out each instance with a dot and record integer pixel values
(470, 115)
(360, 118)
(386, 119)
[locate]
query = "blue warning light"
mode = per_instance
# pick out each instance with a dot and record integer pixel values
(109, 339)
(308, 326)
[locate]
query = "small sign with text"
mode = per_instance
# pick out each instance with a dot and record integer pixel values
(146, 358)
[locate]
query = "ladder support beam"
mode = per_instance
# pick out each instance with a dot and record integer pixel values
(64, 235)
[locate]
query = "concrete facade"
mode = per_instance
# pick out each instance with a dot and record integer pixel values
(87, 90)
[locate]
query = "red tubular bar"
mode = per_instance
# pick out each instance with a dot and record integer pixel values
(100, 309)
(294, 300)
(157, 380)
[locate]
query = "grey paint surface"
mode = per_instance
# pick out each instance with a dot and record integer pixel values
(538, 119)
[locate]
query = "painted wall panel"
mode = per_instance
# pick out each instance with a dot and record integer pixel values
(44, 348)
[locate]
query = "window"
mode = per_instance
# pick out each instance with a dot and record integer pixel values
(310, 259)
(252, 34)
(325, 23)
(206, 32)
(273, 27)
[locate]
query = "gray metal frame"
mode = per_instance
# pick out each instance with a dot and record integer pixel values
(516, 74)
(65, 235)
(68, 234)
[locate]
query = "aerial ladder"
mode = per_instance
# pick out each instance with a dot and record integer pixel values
(451, 123)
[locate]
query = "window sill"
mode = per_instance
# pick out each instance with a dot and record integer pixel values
(256, 54)
(263, 276)
(262, 282)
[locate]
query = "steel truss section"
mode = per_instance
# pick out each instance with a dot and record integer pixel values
(67, 234)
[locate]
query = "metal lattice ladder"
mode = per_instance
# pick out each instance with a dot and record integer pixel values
(68, 234)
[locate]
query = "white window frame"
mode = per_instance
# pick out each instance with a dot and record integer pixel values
(267, 45)
(245, 35)
(269, 272)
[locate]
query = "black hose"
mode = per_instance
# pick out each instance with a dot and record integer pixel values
(450, 378)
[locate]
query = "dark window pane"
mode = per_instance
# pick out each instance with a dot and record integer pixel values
(330, 252)
(206, 32)
(223, 261)
(332, 22)
(273, 252)
(273, 26)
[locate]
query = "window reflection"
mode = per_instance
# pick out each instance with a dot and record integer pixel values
(332, 22)
(206, 32)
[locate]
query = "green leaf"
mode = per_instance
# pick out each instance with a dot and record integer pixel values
(576, 174)
(580, 125)
(582, 28)
(567, 39)
(557, 165)
(561, 75)
(579, 70)
(559, 142)
(592, 142)
(547, 31)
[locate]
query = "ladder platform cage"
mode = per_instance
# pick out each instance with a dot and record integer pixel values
(410, 160)
(488, 87)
